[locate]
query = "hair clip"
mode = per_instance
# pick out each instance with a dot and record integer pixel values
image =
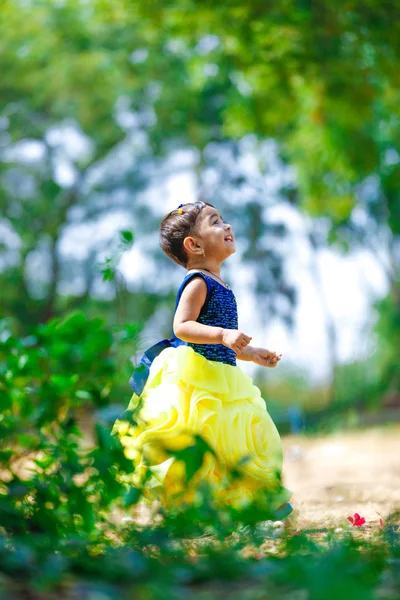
(179, 209)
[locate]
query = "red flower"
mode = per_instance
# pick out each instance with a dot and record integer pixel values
(381, 525)
(356, 521)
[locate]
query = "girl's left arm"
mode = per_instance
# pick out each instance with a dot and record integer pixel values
(246, 354)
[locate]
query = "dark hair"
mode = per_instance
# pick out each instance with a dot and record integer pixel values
(176, 226)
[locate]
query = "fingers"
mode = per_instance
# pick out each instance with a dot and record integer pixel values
(270, 360)
(241, 343)
(235, 339)
(238, 348)
(270, 363)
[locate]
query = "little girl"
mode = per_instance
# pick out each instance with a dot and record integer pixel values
(189, 386)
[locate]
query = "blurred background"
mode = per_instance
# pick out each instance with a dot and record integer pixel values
(283, 115)
(286, 117)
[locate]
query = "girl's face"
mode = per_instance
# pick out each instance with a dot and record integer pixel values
(214, 235)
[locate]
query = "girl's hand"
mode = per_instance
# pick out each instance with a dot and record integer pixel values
(265, 358)
(235, 339)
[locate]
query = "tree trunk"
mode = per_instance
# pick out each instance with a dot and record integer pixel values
(333, 358)
(49, 308)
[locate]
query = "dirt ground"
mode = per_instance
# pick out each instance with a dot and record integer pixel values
(332, 477)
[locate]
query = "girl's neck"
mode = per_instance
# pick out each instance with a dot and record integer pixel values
(207, 265)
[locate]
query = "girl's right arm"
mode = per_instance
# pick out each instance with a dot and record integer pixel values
(187, 329)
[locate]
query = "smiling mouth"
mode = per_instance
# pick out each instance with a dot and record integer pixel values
(229, 238)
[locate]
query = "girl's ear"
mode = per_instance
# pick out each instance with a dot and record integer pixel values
(191, 246)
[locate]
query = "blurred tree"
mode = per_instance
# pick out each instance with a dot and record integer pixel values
(321, 79)
(90, 96)
(63, 73)
(138, 80)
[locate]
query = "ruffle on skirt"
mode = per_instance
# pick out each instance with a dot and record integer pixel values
(185, 396)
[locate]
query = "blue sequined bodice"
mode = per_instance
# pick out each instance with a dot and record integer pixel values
(219, 310)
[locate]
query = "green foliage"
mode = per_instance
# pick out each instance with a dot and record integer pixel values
(54, 483)
(62, 497)
(388, 341)
(320, 79)
(192, 456)
(359, 384)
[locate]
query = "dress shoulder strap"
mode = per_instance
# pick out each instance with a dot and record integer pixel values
(188, 278)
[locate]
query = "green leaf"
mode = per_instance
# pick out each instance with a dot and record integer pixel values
(126, 236)
(132, 497)
(44, 463)
(108, 273)
(193, 456)
(84, 395)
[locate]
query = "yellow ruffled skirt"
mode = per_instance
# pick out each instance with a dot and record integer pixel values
(186, 397)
